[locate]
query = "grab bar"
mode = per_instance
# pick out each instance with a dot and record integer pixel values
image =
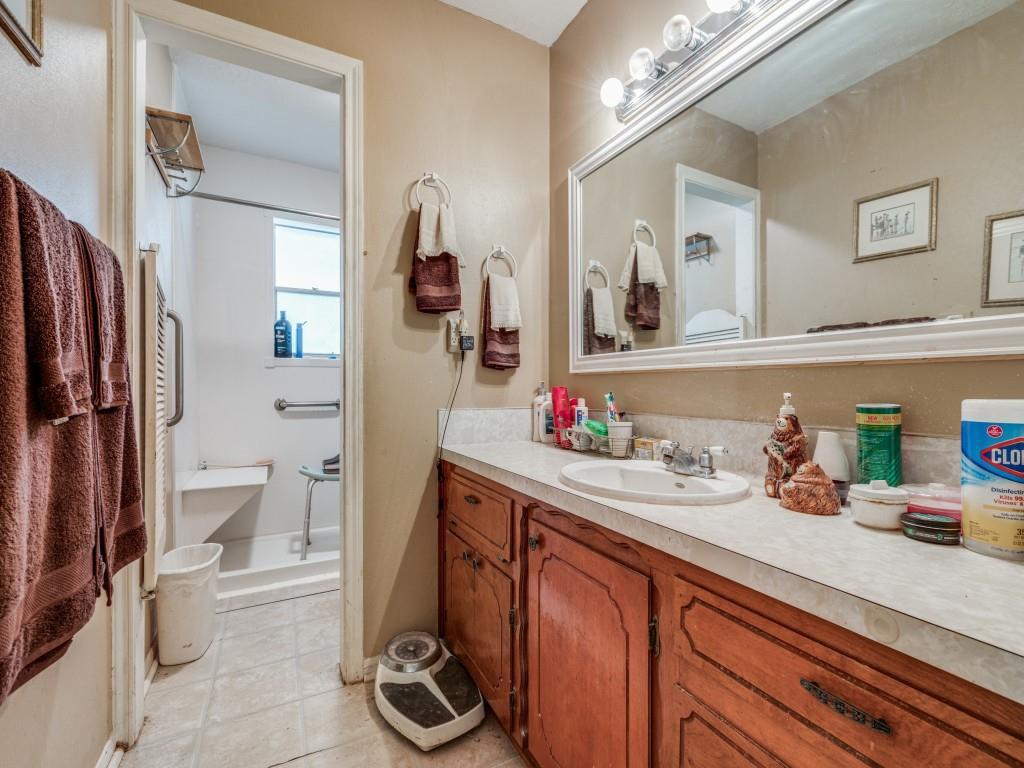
(179, 372)
(282, 405)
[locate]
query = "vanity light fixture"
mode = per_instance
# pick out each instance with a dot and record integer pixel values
(679, 33)
(728, 6)
(644, 65)
(612, 92)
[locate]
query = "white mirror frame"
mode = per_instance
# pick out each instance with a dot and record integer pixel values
(769, 27)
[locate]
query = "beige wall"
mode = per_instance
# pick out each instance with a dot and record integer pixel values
(945, 112)
(595, 46)
(63, 716)
(640, 184)
(447, 92)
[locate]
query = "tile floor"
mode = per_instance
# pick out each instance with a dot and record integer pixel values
(267, 693)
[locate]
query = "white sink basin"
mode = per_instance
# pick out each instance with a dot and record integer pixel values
(651, 482)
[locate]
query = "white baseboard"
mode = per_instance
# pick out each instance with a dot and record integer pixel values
(111, 755)
(151, 668)
(370, 668)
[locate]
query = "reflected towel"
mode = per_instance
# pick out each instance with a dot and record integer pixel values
(643, 303)
(648, 265)
(604, 312)
(593, 343)
(504, 303)
(501, 346)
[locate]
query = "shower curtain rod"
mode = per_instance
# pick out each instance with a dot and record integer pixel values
(264, 206)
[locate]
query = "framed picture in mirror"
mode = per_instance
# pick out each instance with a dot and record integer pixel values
(896, 222)
(1003, 275)
(22, 22)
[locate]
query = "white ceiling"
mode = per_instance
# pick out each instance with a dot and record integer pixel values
(540, 20)
(256, 112)
(852, 44)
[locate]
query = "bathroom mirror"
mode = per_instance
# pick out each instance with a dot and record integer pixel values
(854, 194)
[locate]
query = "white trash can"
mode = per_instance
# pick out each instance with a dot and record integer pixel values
(186, 602)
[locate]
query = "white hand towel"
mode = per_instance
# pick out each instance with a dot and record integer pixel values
(627, 271)
(604, 313)
(504, 295)
(437, 232)
(648, 266)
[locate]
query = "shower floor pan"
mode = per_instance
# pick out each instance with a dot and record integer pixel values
(272, 560)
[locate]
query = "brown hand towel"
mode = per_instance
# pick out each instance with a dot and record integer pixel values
(108, 337)
(501, 347)
(55, 322)
(593, 344)
(434, 279)
(643, 303)
(47, 480)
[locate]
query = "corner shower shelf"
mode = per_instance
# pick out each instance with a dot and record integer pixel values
(210, 496)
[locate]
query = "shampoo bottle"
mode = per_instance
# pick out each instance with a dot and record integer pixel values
(298, 338)
(282, 337)
(547, 420)
(538, 414)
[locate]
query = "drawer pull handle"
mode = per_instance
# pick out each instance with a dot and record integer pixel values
(473, 500)
(845, 709)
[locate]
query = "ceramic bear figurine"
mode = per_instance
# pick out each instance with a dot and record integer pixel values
(810, 491)
(786, 451)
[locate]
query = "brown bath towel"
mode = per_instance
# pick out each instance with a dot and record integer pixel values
(434, 279)
(643, 303)
(55, 326)
(593, 344)
(70, 494)
(108, 341)
(500, 348)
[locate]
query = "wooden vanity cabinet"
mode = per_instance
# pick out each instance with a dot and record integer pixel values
(595, 650)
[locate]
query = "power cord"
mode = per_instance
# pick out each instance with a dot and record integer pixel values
(448, 413)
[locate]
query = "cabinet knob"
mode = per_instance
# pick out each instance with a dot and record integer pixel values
(533, 542)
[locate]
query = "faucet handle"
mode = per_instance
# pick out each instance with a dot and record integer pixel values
(716, 450)
(668, 451)
(709, 451)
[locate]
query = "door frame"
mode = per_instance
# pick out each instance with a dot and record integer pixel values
(128, 159)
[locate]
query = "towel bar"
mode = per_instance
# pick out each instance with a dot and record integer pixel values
(282, 405)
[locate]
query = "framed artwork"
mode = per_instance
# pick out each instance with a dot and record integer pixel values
(1002, 280)
(896, 222)
(22, 22)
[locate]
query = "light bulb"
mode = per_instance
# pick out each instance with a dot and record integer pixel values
(677, 33)
(642, 64)
(612, 91)
(723, 6)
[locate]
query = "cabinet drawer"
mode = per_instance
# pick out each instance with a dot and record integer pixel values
(482, 516)
(808, 704)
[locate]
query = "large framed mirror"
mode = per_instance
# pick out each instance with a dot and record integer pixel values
(836, 181)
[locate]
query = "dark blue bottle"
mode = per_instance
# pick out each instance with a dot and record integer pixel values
(282, 337)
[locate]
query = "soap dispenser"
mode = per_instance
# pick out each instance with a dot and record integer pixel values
(786, 449)
(538, 413)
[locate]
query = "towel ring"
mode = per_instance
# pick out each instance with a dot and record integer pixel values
(641, 224)
(598, 267)
(501, 252)
(431, 179)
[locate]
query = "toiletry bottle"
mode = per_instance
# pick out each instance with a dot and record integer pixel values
(563, 420)
(786, 448)
(538, 413)
(298, 338)
(547, 420)
(581, 414)
(282, 337)
(572, 411)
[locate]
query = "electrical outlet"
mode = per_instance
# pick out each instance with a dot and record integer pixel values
(453, 335)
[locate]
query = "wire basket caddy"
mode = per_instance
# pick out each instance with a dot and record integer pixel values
(583, 440)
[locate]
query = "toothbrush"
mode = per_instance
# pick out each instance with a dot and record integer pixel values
(613, 411)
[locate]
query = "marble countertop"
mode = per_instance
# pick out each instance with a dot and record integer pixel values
(947, 606)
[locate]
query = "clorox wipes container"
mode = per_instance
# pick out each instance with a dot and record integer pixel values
(992, 476)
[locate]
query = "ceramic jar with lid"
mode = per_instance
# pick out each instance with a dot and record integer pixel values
(877, 504)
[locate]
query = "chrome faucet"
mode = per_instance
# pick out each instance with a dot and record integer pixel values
(685, 463)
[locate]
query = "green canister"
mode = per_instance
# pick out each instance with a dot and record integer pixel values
(878, 443)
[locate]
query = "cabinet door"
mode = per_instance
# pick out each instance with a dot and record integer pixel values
(588, 661)
(478, 598)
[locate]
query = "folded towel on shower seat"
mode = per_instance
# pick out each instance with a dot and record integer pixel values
(435, 271)
(604, 312)
(503, 294)
(500, 345)
(332, 466)
(643, 303)
(56, 328)
(70, 494)
(593, 342)
(107, 336)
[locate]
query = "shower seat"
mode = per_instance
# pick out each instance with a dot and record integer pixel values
(313, 476)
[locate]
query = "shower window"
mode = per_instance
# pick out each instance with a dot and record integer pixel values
(307, 283)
